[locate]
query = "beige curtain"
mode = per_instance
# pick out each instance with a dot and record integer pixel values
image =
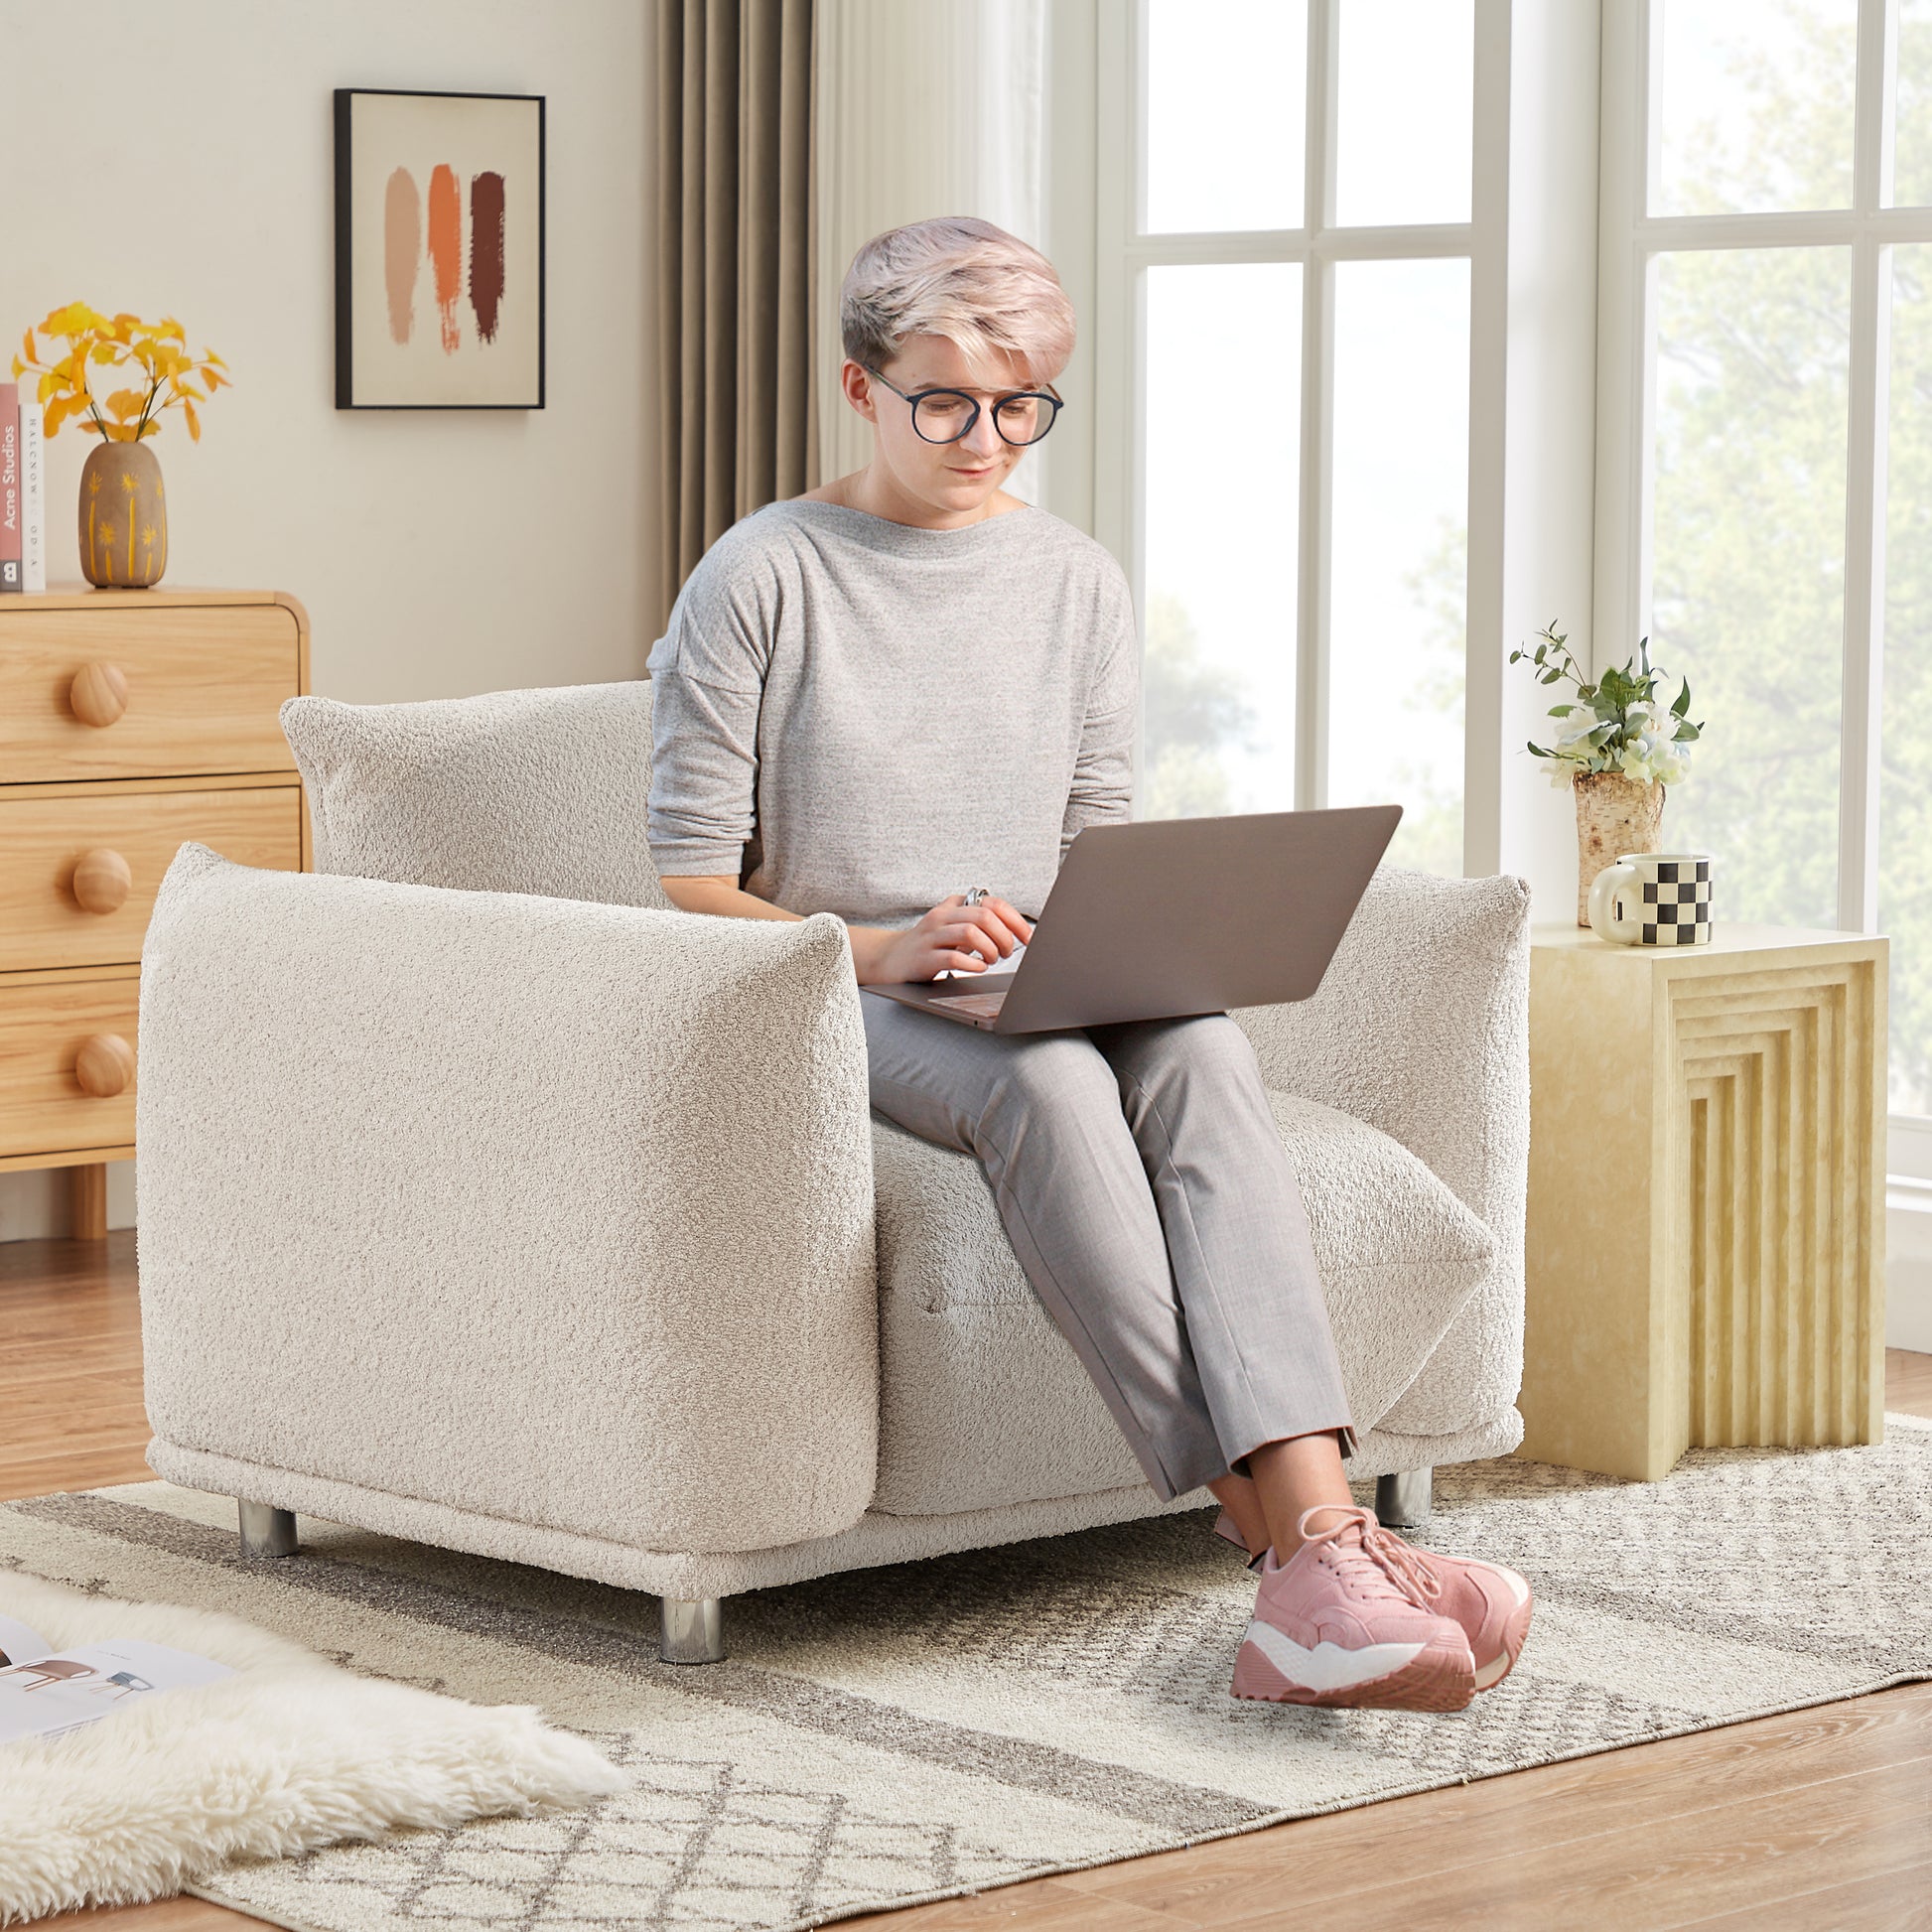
(890, 150)
(736, 233)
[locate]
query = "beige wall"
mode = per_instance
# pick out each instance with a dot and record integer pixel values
(179, 161)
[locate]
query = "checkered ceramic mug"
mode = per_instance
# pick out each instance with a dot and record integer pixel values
(1653, 898)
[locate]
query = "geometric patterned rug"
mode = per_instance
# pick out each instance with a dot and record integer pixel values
(891, 1735)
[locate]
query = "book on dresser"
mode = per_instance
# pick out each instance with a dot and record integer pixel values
(10, 558)
(33, 498)
(130, 722)
(22, 493)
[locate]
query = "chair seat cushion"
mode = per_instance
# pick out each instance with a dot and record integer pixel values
(984, 1403)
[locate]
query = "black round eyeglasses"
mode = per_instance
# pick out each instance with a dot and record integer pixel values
(945, 415)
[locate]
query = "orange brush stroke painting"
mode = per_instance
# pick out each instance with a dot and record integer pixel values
(446, 250)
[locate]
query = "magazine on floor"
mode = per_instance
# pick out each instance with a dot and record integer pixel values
(45, 1690)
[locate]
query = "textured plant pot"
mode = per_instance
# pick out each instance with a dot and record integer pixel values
(124, 517)
(1614, 815)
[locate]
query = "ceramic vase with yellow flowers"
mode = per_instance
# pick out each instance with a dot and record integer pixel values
(123, 504)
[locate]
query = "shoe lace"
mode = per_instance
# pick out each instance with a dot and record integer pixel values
(1371, 1559)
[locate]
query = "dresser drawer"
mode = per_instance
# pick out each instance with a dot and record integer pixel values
(43, 1107)
(173, 691)
(43, 918)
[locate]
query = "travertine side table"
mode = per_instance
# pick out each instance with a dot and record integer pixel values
(1705, 1239)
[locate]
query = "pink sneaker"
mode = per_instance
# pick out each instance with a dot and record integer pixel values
(1349, 1620)
(1492, 1605)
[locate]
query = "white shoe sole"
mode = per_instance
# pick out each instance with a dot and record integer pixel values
(1328, 1666)
(1436, 1676)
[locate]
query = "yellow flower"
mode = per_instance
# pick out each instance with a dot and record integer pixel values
(157, 351)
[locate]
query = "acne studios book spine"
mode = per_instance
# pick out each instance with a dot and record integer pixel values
(33, 501)
(9, 487)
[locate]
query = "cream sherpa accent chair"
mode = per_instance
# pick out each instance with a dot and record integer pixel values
(487, 1201)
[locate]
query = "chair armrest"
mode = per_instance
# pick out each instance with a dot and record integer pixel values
(1421, 1027)
(555, 1211)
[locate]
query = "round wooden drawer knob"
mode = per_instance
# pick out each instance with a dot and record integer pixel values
(102, 881)
(104, 1066)
(98, 694)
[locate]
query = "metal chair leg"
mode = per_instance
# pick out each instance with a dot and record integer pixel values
(267, 1531)
(692, 1630)
(1405, 1500)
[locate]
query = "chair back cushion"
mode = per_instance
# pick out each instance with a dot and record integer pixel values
(515, 791)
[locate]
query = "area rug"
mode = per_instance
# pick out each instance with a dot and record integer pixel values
(900, 1735)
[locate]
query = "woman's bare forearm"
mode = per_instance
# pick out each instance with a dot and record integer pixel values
(723, 897)
(728, 899)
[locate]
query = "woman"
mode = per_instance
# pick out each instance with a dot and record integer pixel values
(908, 679)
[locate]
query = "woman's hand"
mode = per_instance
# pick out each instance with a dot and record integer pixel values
(952, 937)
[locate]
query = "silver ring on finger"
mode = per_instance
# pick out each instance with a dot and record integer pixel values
(977, 895)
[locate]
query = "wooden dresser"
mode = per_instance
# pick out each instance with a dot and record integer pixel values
(129, 722)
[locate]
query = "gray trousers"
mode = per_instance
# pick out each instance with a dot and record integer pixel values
(1143, 1184)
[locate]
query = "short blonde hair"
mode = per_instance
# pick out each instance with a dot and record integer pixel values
(961, 278)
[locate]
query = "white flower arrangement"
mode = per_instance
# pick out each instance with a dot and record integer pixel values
(1618, 724)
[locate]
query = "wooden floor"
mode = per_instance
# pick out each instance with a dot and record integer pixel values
(1818, 1822)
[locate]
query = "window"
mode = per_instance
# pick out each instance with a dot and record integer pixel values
(1288, 467)
(1768, 343)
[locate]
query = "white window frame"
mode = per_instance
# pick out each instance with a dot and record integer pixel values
(1630, 241)
(1123, 254)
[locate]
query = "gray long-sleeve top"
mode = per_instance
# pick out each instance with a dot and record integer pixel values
(858, 717)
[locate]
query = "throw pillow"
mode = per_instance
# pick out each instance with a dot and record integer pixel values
(515, 791)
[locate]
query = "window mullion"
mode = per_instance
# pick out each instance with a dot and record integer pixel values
(1624, 350)
(1317, 417)
(1120, 334)
(1871, 138)
(1864, 588)
(1673, 234)
(1118, 388)
(1865, 496)
(1483, 646)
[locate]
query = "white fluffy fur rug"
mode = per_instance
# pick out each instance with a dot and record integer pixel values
(289, 1754)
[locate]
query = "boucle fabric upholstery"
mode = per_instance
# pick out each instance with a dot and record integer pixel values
(1421, 1027)
(877, 1538)
(544, 1229)
(516, 792)
(983, 1400)
(506, 1203)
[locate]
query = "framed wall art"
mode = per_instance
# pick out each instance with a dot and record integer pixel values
(439, 250)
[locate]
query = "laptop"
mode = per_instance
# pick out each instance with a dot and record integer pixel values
(1162, 918)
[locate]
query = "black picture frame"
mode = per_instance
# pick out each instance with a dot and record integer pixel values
(348, 304)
